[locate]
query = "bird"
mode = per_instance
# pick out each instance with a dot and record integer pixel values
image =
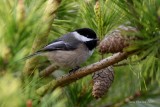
(71, 49)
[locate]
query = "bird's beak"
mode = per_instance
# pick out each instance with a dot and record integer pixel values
(98, 41)
(95, 40)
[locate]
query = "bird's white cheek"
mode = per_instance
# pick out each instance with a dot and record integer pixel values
(81, 37)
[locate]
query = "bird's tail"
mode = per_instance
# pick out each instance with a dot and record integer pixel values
(32, 55)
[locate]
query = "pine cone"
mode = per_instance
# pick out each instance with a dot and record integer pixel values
(117, 40)
(102, 81)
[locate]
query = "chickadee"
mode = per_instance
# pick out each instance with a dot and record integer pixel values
(71, 49)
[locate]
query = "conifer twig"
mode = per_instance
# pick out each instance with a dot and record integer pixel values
(69, 78)
(125, 101)
(41, 37)
(20, 11)
(47, 71)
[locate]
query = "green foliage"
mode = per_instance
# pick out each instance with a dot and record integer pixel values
(145, 17)
(17, 94)
(10, 96)
(65, 17)
(79, 93)
(102, 17)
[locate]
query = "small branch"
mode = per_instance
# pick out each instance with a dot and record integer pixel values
(69, 78)
(122, 64)
(47, 71)
(20, 12)
(126, 63)
(125, 101)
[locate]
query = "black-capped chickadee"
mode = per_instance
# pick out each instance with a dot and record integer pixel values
(70, 50)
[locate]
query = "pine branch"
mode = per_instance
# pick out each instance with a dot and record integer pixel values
(127, 63)
(125, 101)
(41, 38)
(47, 71)
(72, 77)
(20, 11)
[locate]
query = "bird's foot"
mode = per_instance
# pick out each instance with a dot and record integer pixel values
(74, 69)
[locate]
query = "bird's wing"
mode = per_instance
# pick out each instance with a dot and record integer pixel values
(57, 45)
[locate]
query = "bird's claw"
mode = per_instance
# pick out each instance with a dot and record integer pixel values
(74, 69)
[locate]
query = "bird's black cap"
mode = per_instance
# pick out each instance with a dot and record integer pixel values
(87, 32)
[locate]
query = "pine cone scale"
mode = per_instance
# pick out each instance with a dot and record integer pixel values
(102, 81)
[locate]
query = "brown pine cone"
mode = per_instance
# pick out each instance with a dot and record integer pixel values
(102, 81)
(117, 40)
